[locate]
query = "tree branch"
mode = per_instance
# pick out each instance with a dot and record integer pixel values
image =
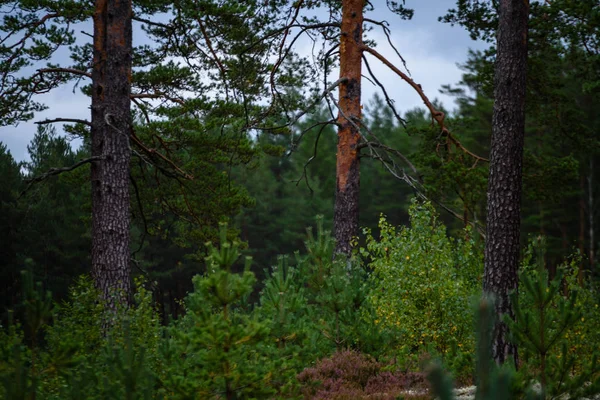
(72, 120)
(437, 115)
(65, 70)
(151, 153)
(57, 171)
(388, 100)
(156, 95)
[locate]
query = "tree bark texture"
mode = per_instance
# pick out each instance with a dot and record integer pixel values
(591, 206)
(506, 160)
(110, 131)
(345, 222)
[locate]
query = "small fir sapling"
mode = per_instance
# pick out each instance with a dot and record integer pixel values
(216, 342)
(548, 312)
(336, 290)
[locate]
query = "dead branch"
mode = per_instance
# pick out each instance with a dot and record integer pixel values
(393, 169)
(390, 150)
(388, 100)
(386, 30)
(304, 171)
(294, 143)
(156, 95)
(437, 115)
(304, 111)
(65, 70)
(281, 57)
(58, 171)
(71, 120)
(153, 153)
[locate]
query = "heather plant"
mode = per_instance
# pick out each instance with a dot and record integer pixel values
(352, 375)
(422, 284)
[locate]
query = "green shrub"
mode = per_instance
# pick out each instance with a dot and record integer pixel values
(422, 283)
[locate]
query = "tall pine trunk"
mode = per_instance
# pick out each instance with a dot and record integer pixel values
(505, 180)
(345, 223)
(111, 127)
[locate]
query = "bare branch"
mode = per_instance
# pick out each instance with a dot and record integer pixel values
(156, 95)
(294, 143)
(65, 70)
(57, 171)
(399, 173)
(304, 171)
(326, 92)
(390, 150)
(142, 109)
(303, 112)
(71, 120)
(152, 153)
(152, 23)
(386, 30)
(388, 100)
(437, 115)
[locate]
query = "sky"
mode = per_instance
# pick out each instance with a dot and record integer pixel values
(433, 52)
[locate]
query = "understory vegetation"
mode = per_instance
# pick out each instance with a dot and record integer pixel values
(377, 325)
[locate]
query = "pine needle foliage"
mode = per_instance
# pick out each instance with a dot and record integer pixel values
(212, 352)
(549, 320)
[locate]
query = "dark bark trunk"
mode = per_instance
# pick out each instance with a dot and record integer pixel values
(506, 159)
(590, 182)
(111, 127)
(581, 226)
(345, 222)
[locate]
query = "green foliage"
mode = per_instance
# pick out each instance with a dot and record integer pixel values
(77, 357)
(316, 307)
(211, 352)
(423, 282)
(550, 328)
(493, 382)
(291, 343)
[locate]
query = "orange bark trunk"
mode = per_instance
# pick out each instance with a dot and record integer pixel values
(345, 224)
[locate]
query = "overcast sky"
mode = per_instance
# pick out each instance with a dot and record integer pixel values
(432, 51)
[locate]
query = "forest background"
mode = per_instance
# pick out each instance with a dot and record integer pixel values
(269, 185)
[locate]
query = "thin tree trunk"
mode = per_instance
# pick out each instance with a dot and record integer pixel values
(590, 182)
(505, 179)
(111, 127)
(581, 226)
(345, 222)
